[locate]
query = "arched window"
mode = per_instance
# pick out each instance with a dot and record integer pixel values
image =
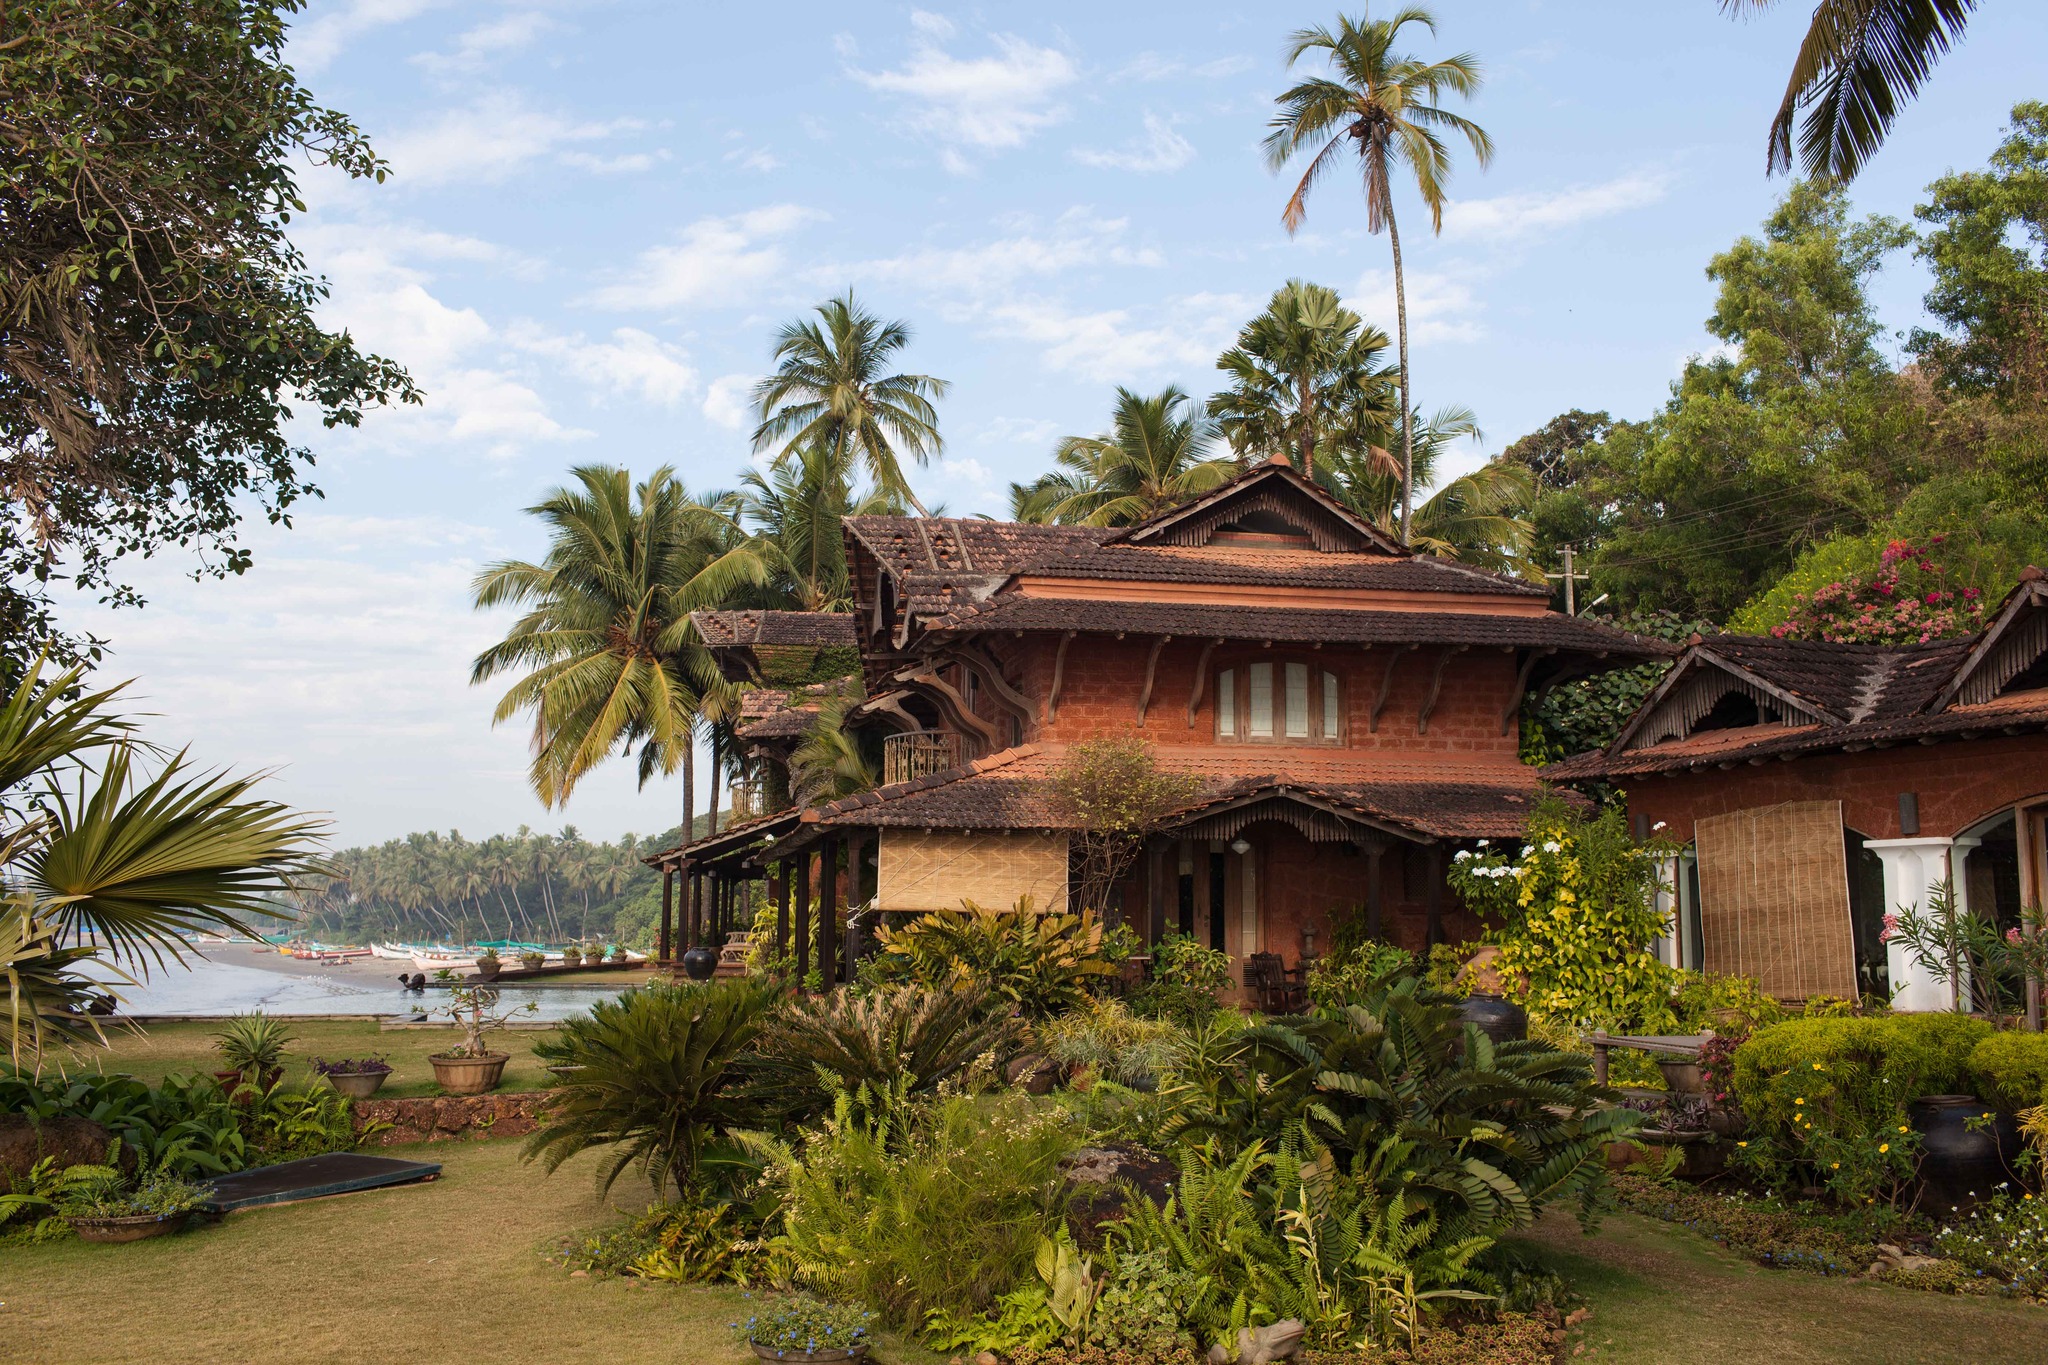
(1288, 702)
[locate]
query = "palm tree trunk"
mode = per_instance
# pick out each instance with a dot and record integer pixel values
(1308, 428)
(689, 789)
(1407, 402)
(714, 780)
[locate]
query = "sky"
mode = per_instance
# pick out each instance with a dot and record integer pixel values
(599, 213)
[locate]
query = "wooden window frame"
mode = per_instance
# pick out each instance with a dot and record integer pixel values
(1317, 707)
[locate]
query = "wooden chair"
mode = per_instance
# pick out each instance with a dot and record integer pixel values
(1265, 975)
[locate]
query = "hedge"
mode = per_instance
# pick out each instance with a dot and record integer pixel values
(2012, 1069)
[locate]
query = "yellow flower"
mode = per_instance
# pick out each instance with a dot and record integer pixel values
(1835, 1165)
(1902, 1128)
(1816, 1066)
(1744, 1144)
(1800, 1100)
(1884, 1146)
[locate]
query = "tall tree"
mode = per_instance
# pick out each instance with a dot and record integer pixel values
(1478, 518)
(608, 657)
(1859, 62)
(1156, 454)
(1384, 105)
(832, 388)
(795, 509)
(156, 324)
(1305, 376)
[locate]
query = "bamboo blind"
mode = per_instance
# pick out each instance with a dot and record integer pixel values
(1774, 898)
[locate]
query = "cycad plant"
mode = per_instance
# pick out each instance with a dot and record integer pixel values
(655, 1080)
(104, 862)
(911, 1039)
(1042, 964)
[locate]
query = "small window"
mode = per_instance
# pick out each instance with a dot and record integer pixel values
(1332, 731)
(1297, 701)
(1261, 701)
(1226, 704)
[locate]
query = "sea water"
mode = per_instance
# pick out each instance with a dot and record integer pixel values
(200, 987)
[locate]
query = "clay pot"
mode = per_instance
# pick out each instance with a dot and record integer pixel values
(1961, 1166)
(359, 1085)
(1498, 1018)
(700, 962)
(133, 1228)
(470, 1075)
(1682, 1075)
(488, 968)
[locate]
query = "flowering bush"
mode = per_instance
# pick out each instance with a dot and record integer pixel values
(2005, 1242)
(802, 1323)
(1906, 601)
(1575, 914)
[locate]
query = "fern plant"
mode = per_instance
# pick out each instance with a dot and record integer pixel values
(1043, 964)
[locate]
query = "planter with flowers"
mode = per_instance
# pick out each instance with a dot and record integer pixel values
(100, 1205)
(472, 1068)
(356, 1077)
(531, 961)
(801, 1328)
(489, 964)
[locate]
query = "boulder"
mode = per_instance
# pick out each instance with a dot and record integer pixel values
(24, 1142)
(1262, 1345)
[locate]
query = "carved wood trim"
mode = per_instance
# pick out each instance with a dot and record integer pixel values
(1201, 681)
(1436, 685)
(1372, 719)
(1151, 674)
(1059, 676)
(1514, 701)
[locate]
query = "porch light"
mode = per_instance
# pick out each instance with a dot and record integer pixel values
(1240, 846)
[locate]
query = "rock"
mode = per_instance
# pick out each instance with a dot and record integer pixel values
(24, 1142)
(1033, 1072)
(1099, 1178)
(988, 1358)
(1263, 1345)
(579, 1274)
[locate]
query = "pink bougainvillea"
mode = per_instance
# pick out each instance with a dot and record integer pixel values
(1906, 601)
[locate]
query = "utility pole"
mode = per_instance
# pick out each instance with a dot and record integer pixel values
(1571, 581)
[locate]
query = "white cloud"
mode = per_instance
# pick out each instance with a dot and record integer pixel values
(716, 261)
(1110, 346)
(1521, 215)
(1158, 148)
(1441, 307)
(1021, 431)
(633, 362)
(495, 137)
(1078, 238)
(729, 400)
(315, 42)
(478, 45)
(1157, 66)
(978, 104)
(754, 159)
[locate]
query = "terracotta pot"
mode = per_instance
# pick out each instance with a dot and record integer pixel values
(1498, 1018)
(1682, 1075)
(570, 957)
(1702, 1157)
(832, 1353)
(133, 1228)
(700, 962)
(470, 1075)
(1961, 1167)
(359, 1085)
(489, 970)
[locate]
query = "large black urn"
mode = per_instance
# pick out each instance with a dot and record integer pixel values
(1966, 1152)
(700, 962)
(1498, 1018)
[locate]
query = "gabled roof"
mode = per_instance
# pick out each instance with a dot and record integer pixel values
(1277, 489)
(824, 629)
(2015, 638)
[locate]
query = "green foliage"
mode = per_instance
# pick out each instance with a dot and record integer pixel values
(1574, 916)
(2004, 1242)
(161, 328)
(1113, 794)
(1108, 1039)
(1307, 380)
(1043, 964)
(106, 1193)
(658, 1066)
(1589, 713)
(253, 1044)
(1700, 994)
(711, 1242)
(801, 1323)
(915, 1038)
(912, 1207)
(1157, 454)
(1355, 966)
(1826, 1097)
(1186, 974)
(1787, 1237)
(2012, 1069)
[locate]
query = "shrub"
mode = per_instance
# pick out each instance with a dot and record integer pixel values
(657, 1067)
(802, 1323)
(690, 1243)
(2012, 1069)
(1106, 1038)
(908, 1036)
(1576, 913)
(2004, 1242)
(1113, 793)
(1827, 1097)
(1767, 1231)
(911, 1207)
(1354, 968)
(1186, 974)
(1040, 963)
(1699, 994)
(252, 1044)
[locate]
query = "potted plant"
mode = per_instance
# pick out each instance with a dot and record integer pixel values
(472, 1068)
(531, 961)
(252, 1045)
(488, 964)
(614, 952)
(571, 955)
(804, 1328)
(356, 1077)
(100, 1207)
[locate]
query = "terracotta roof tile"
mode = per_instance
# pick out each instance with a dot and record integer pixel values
(1287, 567)
(722, 629)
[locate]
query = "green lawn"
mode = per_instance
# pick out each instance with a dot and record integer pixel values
(1663, 1296)
(160, 1049)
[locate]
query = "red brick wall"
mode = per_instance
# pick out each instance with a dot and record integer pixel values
(1958, 783)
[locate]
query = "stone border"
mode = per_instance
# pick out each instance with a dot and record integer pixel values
(452, 1118)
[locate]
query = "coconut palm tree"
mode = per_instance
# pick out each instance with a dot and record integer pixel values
(1381, 104)
(1303, 377)
(829, 763)
(103, 860)
(1860, 60)
(831, 388)
(1156, 454)
(608, 656)
(1480, 518)
(795, 510)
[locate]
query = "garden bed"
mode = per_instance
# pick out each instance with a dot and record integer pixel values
(451, 1118)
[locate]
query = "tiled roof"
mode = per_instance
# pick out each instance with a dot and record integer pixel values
(1009, 790)
(1300, 625)
(966, 545)
(1850, 682)
(735, 628)
(784, 712)
(1261, 480)
(731, 840)
(1289, 568)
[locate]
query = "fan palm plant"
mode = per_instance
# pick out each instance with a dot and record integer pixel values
(608, 655)
(1382, 105)
(831, 388)
(1155, 455)
(1859, 62)
(103, 863)
(1304, 379)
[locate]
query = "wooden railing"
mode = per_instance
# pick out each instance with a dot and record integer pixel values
(918, 753)
(745, 801)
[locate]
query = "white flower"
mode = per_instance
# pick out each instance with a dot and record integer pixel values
(1553, 846)
(1659, 825)
(1461, 855)
(1483, 843)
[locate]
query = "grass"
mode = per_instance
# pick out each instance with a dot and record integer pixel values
(1664, 1296)
(160, 1049)
(450, 1271)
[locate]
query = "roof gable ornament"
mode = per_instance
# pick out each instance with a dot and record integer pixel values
(1270, 497)
(2014, 643)
(1700, 681)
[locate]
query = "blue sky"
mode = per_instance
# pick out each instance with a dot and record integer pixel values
(600, 212)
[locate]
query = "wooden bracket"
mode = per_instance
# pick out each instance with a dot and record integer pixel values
(1436, 684)
(1514, 701)
(1201, 681)
(1372, 719)
(1059, 675)
(1151, 673)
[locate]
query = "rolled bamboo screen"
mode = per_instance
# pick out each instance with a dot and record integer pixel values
(1774, 898)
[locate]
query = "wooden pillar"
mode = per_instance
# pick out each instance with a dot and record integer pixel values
(828, 911)
(668, 915)
(1372, 890)
(1433, 894)
(1155, 893)
(1201, 856)
(780, 888)
(803, 915)
(689, 906)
